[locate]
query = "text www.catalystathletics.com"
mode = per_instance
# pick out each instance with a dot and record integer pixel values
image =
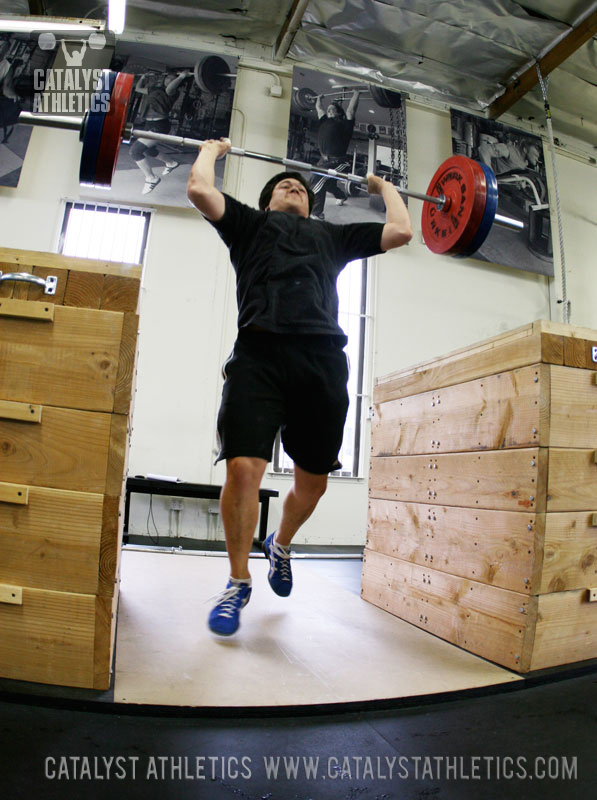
(310, 768)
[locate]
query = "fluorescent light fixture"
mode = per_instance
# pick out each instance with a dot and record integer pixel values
(26, 24)
(116, 15)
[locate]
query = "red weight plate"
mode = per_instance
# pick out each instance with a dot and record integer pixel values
(112, 132)
(476, 219)
(450, 230)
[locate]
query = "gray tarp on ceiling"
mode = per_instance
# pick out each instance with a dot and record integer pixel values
(461, 52)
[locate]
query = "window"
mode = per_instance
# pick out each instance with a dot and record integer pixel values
(106, 232)
(352, 316)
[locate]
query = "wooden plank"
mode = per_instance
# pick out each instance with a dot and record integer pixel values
(127, 363)
(120, 294)
(540, 341)
(566, 629)
(83, 289)
(110, 544)
(573, 408)
(499, 548)
(581, 353)
(570, 552)
(462, 352)
(508, 351)
(25, 412)
(13, 595)
(104, 655)
(36, 292)
(26, 310)
(20, 291)
(552, 347)
(72, 364)
(523, 83)
(572, 482)
(14, 493)
(6, 287)
(53, 542)
(499, 411)
(566, 330)
(115, 467)
(485, 620)
(506, 480)
(49, 638)
(105, 623)
(69, 450)
(31, 258)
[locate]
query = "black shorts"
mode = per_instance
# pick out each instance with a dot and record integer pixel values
(292, 383)
(139, 150)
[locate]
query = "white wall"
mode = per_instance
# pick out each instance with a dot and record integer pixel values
(424, 305)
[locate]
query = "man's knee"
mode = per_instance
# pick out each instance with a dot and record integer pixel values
(245, 473)
(311, 487)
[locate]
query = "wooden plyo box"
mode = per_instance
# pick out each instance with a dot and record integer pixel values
(482, 524)
(67, 367)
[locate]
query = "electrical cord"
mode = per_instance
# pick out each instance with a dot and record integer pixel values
(150, 514)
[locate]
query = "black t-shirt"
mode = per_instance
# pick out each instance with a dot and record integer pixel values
(333, 136)
(159, 103)
(287, 266)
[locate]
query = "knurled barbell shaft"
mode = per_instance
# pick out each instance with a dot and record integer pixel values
(287, 162)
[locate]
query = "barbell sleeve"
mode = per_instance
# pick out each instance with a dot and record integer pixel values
(65, 123)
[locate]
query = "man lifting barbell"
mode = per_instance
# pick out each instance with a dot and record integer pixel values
(160, 98)
(288, 369)
(333, 137)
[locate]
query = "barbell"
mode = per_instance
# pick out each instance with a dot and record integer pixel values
(306, 98)
(459, 207)
(211, 74)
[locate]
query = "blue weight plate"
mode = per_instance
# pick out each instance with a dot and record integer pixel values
(94, 126)
(491, 204)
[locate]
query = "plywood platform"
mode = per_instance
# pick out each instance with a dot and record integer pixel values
(322, 645)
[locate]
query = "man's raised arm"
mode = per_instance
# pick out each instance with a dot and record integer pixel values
(201, 189)
(398, 228)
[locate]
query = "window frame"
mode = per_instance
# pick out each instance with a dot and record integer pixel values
(68, 205)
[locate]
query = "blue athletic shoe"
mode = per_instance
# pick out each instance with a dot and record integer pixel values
(279, 575)
(225, 615)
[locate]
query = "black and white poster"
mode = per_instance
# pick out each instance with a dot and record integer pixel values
(350, 127)
(516, 158)
(20, 55)
(183, 93)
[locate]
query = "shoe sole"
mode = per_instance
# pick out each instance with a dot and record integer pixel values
(220, 633)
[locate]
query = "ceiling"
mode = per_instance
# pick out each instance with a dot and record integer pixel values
(477, 55)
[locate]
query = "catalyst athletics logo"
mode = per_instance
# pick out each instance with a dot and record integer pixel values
(67, 87)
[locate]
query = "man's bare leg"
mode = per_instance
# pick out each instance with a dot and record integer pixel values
(298, 506)
(239, 508)
(300, 503)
